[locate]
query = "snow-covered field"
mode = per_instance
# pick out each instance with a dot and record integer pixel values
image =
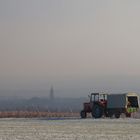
(70, 129)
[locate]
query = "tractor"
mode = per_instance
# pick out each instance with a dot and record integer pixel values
(96, 106)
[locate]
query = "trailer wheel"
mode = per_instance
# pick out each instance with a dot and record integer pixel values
(128, 115)
(117, 115)
(83, 114)
(97, 111)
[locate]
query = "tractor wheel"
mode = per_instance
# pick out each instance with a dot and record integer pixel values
(117, 115)
(97, 111)
(83, 114)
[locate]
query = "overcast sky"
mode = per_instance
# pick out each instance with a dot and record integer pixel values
(75, 45)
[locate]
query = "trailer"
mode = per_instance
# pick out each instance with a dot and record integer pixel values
(126, 103)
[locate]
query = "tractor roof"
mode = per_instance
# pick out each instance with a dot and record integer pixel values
(99, 93)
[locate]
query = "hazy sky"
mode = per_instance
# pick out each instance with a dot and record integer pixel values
(75, 45)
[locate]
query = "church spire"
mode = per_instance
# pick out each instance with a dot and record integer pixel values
(51, 93)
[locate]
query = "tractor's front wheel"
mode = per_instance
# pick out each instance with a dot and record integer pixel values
(97, 111)
(83, 114)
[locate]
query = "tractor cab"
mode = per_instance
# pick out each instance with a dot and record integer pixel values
(98, 97)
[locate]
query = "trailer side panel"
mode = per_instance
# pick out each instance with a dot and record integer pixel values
(116, 101)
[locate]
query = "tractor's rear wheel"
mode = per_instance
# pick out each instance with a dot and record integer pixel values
(83, 114)
(97, 111)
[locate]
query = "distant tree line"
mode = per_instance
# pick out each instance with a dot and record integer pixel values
(42, 104)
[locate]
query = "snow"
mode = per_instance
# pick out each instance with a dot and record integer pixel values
(69, 129)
